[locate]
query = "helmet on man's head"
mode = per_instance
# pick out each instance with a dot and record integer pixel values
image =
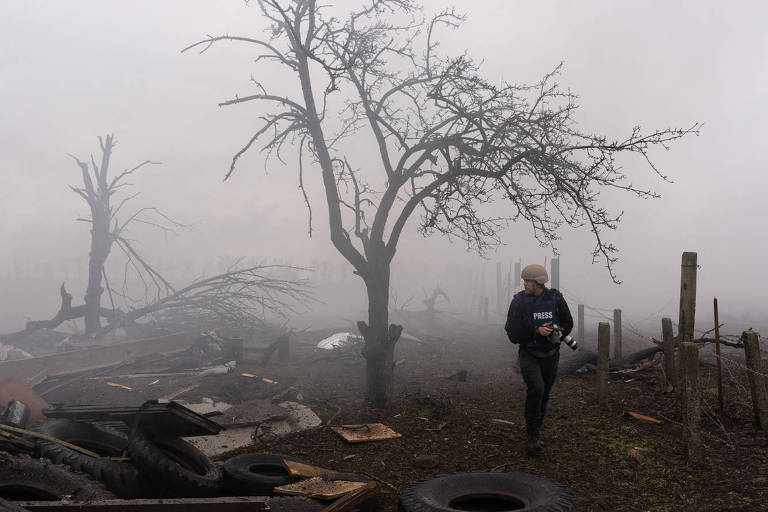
(535, 273)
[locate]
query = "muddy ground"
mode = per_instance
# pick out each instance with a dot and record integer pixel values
(609, 459)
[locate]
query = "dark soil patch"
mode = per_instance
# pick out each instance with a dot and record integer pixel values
(609, 459)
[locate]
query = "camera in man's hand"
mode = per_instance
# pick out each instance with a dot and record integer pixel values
(555, 337)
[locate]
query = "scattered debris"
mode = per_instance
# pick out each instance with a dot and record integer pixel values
(439, 427)
(406, 336)
(460, 376)
(319, 488)
(207, 407)
(340, 340)
(230, 439)
(170, 417)
(643, 417)
(11, 353)
(503, 422)
(180, 392)
(353, 498)
(116, 385)
(365, 432)
(298, 469)
(16, 414)
(36, 369)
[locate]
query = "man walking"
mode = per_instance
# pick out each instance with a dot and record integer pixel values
(531, 315)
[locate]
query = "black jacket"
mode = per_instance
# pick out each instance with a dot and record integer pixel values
(520, 327)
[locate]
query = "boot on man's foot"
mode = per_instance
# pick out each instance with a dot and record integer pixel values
(533, 443)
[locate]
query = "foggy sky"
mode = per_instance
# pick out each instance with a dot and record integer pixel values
(70, 71)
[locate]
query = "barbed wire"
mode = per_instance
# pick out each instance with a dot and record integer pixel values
(739, 365)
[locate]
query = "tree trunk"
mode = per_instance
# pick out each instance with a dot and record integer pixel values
(100, 245)
(380, 338)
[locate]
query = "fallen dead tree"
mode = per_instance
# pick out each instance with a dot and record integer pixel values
(582, 358)
(237, 298)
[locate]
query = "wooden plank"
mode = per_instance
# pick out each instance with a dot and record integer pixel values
(304, 470)
(223, 504)
(34, 370)
(320, 488)
(365, 432)
(352, 499)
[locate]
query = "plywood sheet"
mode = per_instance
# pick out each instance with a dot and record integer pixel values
(319, 488)
(365, 432)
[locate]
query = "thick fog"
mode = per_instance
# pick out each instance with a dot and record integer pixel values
(71, 71)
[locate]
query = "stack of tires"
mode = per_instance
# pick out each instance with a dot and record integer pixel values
(156, 465)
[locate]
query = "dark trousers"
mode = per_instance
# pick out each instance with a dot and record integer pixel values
(539, 374)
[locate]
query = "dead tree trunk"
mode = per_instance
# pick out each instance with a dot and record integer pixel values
(380, 338)
(97, 192)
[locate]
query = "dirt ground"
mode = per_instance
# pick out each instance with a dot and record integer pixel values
(609, 459)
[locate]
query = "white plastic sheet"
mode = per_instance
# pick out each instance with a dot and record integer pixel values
(339, 340)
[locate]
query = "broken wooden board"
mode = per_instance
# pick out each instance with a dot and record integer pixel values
(352, 499)
(643, 417)
(35, 370)
(304, 470)
(365, 432)
(319, 488)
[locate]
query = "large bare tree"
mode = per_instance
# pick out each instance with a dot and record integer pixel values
(447, 141)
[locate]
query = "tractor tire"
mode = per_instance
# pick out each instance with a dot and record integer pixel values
(487, 491)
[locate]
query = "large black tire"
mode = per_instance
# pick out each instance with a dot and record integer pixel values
(487, 491)
(120, 477)
(176, 463)
(257, 474)
(25, 479)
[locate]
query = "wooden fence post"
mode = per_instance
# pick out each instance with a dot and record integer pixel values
(617, 334)
(690, 395)
(668, 342)
(687, 317)
(756, 380)
(603, 349)
(687, 298)
(581, 324)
